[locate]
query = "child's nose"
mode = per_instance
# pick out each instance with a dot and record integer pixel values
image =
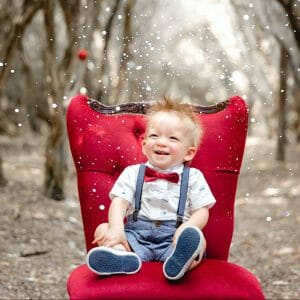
(161, 141)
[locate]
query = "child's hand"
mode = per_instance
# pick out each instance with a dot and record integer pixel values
(115, 235)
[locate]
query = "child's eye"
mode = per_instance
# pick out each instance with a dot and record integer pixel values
(174, 138)
(152, 135)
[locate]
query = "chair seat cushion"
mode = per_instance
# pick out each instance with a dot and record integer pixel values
(213, 279)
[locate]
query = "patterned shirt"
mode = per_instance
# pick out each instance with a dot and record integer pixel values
(160, 198)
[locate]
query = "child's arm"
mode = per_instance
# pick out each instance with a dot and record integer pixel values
(198, 218)
(115, 234)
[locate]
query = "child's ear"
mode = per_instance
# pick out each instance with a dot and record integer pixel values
(190, 153)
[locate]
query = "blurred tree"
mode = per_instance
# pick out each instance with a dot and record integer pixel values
(293, 16)
(12, 32)
(292, 9)
(58, 74)
(279, 19)
(55, 164)
(59, 63)
(15, 31)
(286, 60)
(126, 55)
(199, 51)
(104, 70)
(282, 104)
(2, 179)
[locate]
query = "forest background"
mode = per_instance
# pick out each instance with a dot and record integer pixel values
(120, 51)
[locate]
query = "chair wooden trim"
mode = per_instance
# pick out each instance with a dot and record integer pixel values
(141, 107)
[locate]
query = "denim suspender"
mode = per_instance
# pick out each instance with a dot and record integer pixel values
(138, 191)
(182, 195)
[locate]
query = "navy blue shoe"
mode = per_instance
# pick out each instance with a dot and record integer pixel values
(189, 245)
(108, 261)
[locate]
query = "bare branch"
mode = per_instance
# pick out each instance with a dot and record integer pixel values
(19, 25)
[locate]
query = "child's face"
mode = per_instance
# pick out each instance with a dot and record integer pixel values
(168, 141)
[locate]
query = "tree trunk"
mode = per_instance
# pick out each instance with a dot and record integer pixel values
(297, 125)
(104, 69)
(125, 55)
(19, 25)
(281, 137)
(55, 164)
(2, 178)
(29, 93)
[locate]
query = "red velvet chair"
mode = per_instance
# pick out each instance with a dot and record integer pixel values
(103, 141)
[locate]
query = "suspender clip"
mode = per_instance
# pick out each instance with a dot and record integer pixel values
(135, 215)
(179, 221)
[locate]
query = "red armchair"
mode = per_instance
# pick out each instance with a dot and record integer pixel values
(103, 140)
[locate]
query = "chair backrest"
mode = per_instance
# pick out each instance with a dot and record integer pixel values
(105, 140)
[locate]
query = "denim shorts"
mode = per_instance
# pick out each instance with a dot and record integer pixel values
(150, 240)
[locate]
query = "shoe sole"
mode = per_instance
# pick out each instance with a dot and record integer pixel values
(108, 261)
(188, 247)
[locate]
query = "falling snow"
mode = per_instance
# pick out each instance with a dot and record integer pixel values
(216, 52)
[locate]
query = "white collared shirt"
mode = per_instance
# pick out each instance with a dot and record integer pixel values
(160, 197)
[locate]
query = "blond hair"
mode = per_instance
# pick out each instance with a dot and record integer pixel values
(184, 111)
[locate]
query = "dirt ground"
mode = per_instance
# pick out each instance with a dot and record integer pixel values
(41, 240)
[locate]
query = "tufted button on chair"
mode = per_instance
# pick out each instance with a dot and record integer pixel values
(103, 141)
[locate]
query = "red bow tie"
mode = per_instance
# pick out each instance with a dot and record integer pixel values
(151, 175)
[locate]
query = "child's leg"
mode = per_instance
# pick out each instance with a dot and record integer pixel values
(106, 261)
(187, 253)
(198, 259)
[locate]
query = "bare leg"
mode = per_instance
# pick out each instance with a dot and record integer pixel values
(195, 263)
(187, 253)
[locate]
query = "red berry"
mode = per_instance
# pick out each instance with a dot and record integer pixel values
(82, 54)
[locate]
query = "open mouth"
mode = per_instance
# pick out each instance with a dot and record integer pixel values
(158, 152)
